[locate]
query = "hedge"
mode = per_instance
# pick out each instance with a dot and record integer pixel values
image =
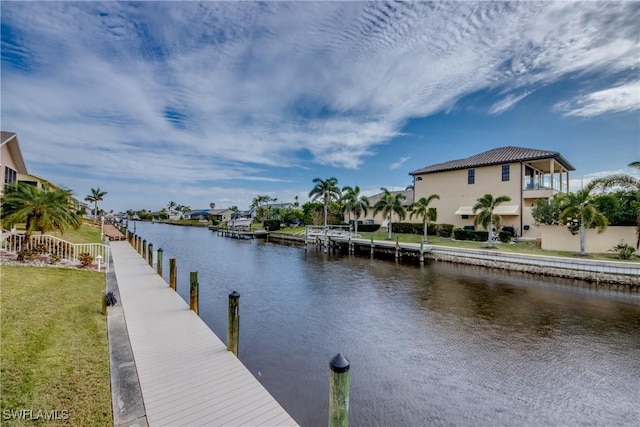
(368, 228)
(272, 224)
(476, 236)
(442, 230)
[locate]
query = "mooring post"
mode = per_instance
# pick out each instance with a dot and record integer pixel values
(326, 249)
(159, 262)
(104, 302)
(172, 273)
(397, 248)
(193, 295)
(422, 250)
(234, 322)
(139, 244)
(339, 391)
(372, 245)
(150, 257)
(144, 249)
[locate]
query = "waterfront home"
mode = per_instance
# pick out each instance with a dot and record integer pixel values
(523, 174)
(223, 215)
(370, 218)
(11, 160)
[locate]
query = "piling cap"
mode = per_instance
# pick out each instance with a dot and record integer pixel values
(234, 295)
(339, 364)
(160, 250)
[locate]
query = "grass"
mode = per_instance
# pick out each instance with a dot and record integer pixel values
(87, 233)
(522, 247)
(54, 345)
(188, 222)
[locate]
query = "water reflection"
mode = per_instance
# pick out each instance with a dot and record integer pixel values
(441, 344)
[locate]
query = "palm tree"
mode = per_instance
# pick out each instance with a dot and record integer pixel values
(325, 190)
(490, 221)
(388, 204)
(577, 208)
(95, 197)
(355, 203)
(41, 209)
(212, 205)
(421, 208)
(172, 205)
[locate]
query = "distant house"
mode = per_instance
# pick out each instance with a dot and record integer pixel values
(11, 160)
(199, 214)
(174, 215)
(370, 218)
(523, 174)
(248, 214)
(221, 214)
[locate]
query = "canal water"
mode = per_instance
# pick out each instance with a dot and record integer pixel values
(442, 344)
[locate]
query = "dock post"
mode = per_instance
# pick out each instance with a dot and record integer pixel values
(421, 250)
(150, 257)
(193, 295)
(339, 391)
(139, 244)
(397, 248)
(234, 322)
(372, 246)
(172, 273)
(159, 262)
(144, 249)
(326, 243)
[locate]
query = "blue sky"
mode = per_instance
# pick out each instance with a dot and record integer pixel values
(219, 101)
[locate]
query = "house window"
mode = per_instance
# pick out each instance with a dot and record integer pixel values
(418, 178)
(10, 176)
(368, 222)
(465, 216)
(471, 176)
(505, 172)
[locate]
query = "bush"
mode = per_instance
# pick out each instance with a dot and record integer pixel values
(505, 236)
(272, 224)
(624, 250)
(406, 228)
(85, 259)
(444, 230)
(476, 236)
(368, 228)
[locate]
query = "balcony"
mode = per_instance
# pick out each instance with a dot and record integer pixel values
(538, 192)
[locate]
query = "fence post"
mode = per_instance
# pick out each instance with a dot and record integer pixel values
(339, 391)
(144, 249)
(150, 257)
(159, 262)
(193, 296)
(234, 322)
(172, 273)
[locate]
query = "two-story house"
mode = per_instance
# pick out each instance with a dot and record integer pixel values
(523, 174)
(11, 160)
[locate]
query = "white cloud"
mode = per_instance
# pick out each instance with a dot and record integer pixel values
(507, 103)
(625, 97)
(576, 184)
(399, 163)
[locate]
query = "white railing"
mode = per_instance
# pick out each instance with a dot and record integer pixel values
(314, 231)
(54, 246)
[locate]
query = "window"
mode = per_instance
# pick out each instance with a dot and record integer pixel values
(368, 221)
(505, 172)
(418, 178)
(10, 176)
(465, 216)
(471, 176)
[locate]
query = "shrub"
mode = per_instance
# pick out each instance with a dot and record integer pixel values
(272, 224)
(368, 228)
(505, 236)
(624, 250)
(406, 228)
(476, 236)
(85, 259)
(444, 230)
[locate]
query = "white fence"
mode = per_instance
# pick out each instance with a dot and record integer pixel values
(54, 246)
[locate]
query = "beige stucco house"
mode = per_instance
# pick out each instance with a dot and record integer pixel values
(370, 218)
(11, 160)
(523, 174)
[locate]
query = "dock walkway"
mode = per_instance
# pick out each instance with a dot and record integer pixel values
(186, 374)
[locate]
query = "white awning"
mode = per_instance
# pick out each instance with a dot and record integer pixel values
(499, 210)
(465, 210)
(506, 210)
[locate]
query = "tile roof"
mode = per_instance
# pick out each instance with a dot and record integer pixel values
(496, 156)
(408, 194)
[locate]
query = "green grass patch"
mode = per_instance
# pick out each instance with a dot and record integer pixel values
(87, 233)
(54, 345)
(187, 222)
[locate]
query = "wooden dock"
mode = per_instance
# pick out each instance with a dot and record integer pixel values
(186, 374)
(112, 233)
(243, 233)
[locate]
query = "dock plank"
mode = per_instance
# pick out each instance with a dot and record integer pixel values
(186, 374)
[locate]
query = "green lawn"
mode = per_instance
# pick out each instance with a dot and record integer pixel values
(54, 345)
(87, 233)
(523, 247)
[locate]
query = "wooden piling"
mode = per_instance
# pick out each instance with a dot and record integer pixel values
(193, 294)
(339, 391)
(159, 262)
(421, 250)
(233, 322)
(372, 246)
(397, 248)
(144, 249)
(150, 256)
(173, 272)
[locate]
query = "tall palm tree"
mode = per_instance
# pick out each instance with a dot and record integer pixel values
(388, 204)
(484, 207)
(95, 197)
(356, 204)
(172, 205)
(578, 208)
(212, 205)
(40, 209)
(421, 208)
(325, 190)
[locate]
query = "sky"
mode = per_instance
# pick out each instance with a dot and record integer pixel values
(222, 101)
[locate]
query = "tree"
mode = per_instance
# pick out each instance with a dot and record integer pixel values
(388, 204)
(355, 203)
(233, 208)
(95, 197)
(483, 210)
(547, 211)
(172, 205)
(421, 208)
(40, 209)
(212, 205)
(579, 211)
(326, 190)
(626, 182)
